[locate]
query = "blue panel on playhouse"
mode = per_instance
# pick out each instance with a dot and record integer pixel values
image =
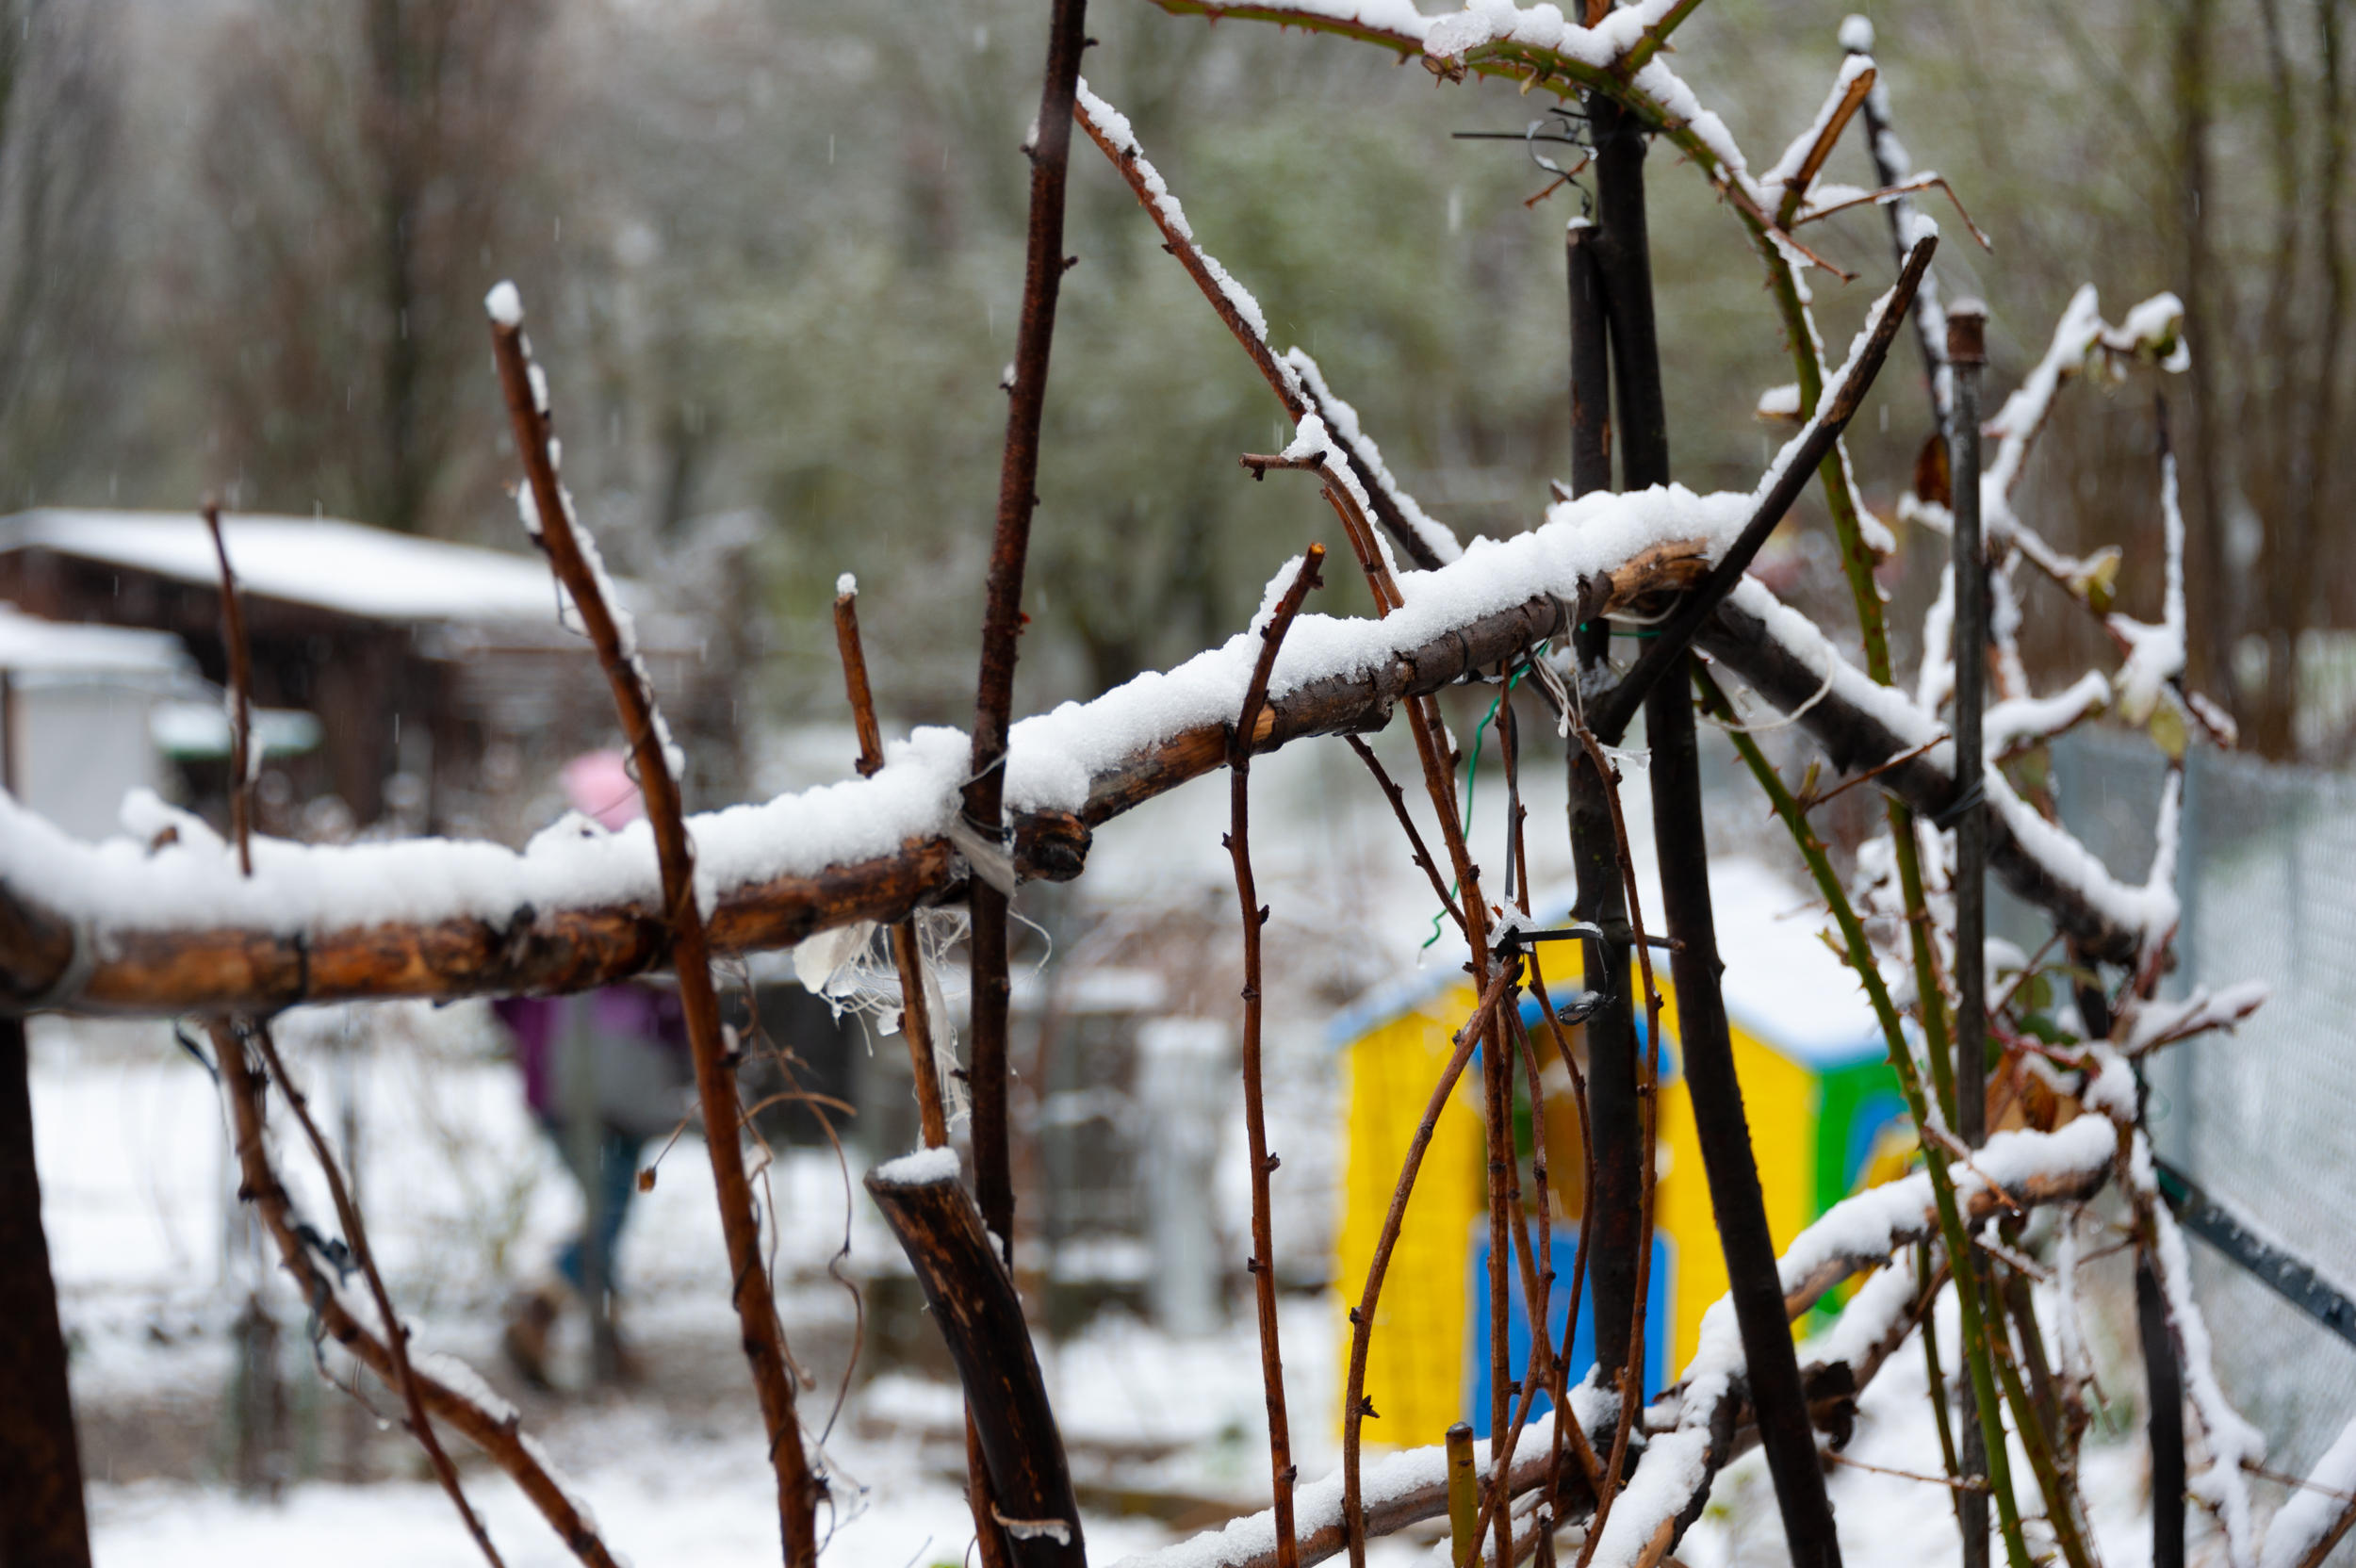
(1565, 1246)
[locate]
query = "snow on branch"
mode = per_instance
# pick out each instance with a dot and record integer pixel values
(2312, 1519)
(2156, 654)
(161, 922)
(2146, 1026)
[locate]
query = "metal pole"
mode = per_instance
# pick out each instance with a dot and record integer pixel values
(1967, 353)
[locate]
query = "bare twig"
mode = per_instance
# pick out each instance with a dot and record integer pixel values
(1421, 853)
(907, 955)
(396, 1339)
(570, 555)
(1050, 152)
(1255, 1113)
(240, 699)
(1354, 1411)
(493, 1432)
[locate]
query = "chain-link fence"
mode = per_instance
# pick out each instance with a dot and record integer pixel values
(2264, 1118)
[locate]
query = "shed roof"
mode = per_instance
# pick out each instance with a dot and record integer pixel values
(29, 645)
(323, 562)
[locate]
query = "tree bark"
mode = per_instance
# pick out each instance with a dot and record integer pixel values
(41, 1520)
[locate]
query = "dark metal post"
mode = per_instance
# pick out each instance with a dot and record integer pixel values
(1724, 1133)
(1967, 352)
(1610, 1215)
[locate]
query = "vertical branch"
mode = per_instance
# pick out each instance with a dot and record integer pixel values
(1049, 148)
(1966, 354)
(1645, 1077)
(2165, 1393)
(1723, 1130)
(1610, 1212)
(1591, 364)
(356, 1234)
(1355, 1405)
(1281, 1468)
(573, 559)
(1952, 1235)
(1721, 1126)
(42, 1522)
(907, 955)
(974, 1302)
(240, 699)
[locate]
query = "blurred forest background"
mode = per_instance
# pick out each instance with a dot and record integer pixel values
(771, 250)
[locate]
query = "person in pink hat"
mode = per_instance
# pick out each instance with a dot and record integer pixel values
(603, 1073)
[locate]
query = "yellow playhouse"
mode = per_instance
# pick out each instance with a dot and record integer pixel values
(1824, 1112)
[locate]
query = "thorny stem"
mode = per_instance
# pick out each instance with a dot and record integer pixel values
(1254, 1110)
(1422, 853)
(907, 955)
(1936, 1376)
(1050, 152)
(1362, 1317)
(498, 1436)
(1951, 1231)
(1563, 1423)
(691, 956)
(357, 1234)
(241, 698)
(2061, 1509)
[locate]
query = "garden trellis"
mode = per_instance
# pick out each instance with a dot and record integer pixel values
(233, 930)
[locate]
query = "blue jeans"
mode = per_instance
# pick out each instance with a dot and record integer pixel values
(606, 1193)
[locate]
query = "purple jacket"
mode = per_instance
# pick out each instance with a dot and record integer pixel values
(622, 1009)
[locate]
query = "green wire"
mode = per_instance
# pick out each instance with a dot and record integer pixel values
(1472, 775)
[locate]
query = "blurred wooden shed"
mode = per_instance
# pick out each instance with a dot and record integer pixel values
(444, 686)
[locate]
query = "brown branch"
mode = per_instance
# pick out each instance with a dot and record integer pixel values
(1894, 192)
(690, 951)
(1300, 394)
(241, 698)
(973, 1301)
(110, 968)
(556, 950)
(497, 1433)
(1795, 189)
(907, 955)
(1050, 152)
(1281, 1467)
(1354, 1520)
(1422, 853)
(396, 1341)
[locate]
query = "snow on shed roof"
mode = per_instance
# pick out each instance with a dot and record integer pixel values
(325, 562)
(29, 645)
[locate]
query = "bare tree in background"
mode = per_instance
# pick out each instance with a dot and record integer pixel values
(366, 161)
(59, 140)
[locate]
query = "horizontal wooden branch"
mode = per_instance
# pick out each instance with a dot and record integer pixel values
(128, 970)
(131, 970)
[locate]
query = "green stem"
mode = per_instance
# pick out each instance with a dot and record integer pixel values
(2060, 1503)
(1938, 1383)
(1975, 1336)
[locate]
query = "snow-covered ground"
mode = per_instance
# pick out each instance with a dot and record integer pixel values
(466, 1202)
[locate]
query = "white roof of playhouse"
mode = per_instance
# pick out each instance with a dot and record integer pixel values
(326, 562)
(1783, 985)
